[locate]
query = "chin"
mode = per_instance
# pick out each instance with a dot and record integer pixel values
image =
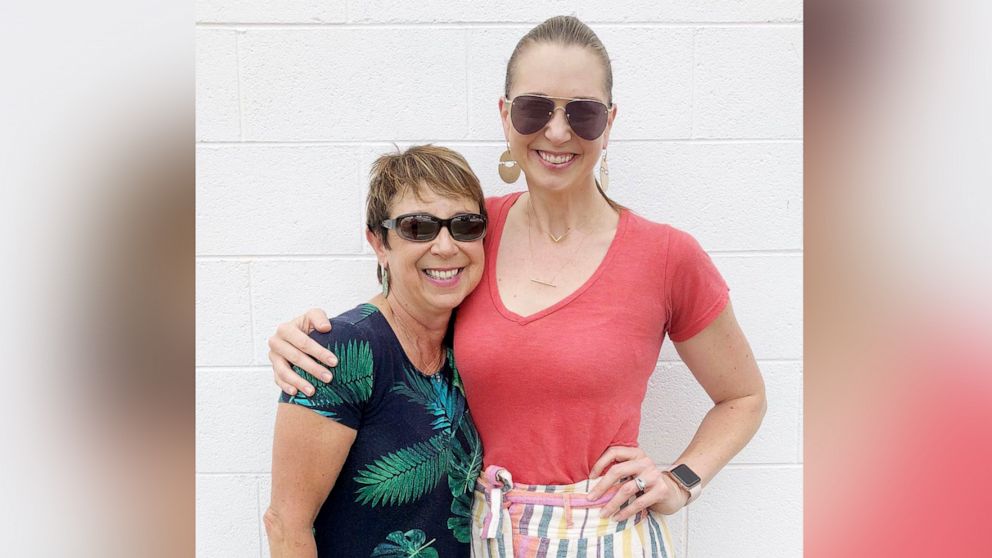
(446, 302)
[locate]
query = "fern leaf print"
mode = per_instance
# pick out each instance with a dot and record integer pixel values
(405, 475)
(412, 544)
(436, 395)
(352, 377)
(466, 464)
(460, 521)
(456, 378)
(367, 310)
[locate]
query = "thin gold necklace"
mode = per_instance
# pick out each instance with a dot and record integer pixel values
(555, 239)
(530, 243)
(434, 364)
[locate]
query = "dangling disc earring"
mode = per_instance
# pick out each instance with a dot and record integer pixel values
(604, 173)
(509, 170)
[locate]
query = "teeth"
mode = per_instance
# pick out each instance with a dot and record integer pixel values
(441, 274)
(556, 159)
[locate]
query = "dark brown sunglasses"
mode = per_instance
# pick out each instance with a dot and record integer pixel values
(531, 113)
(424, 227)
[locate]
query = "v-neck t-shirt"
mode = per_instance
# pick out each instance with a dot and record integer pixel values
(550, 392)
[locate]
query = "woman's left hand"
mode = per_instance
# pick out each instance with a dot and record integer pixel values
(660, 493)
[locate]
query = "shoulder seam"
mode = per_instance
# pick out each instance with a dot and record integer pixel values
(667, 290)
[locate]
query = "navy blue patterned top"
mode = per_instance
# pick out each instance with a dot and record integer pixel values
(407, 483)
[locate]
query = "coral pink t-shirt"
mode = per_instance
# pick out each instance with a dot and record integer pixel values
(551, 391)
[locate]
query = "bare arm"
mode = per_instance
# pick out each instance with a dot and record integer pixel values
(307, 455)
(721, 360)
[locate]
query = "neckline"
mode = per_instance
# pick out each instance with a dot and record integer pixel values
(437, 374)
(491, 259)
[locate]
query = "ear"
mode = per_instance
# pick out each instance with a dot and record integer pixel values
(376, 243)
(504, 117)
(609, 125)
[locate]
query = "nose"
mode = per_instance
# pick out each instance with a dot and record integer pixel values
(558, 131)
(444, 246)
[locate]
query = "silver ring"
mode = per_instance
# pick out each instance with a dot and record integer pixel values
(641, 485)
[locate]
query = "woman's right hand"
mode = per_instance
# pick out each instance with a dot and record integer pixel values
(292, 344)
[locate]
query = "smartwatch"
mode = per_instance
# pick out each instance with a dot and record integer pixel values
(687, 479)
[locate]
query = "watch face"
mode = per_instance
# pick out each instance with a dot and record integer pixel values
(685, 474)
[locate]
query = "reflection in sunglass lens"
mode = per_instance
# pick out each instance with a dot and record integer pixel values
(467, 227)
(423, 227)
(418, 227)
(530, 114)
(587, 118)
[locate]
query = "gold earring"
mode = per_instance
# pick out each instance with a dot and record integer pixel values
(604, 173)
(509, 170)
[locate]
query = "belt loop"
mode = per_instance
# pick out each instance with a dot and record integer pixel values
(498, 481)
(506, 480)
(568, 510)
(491, 475)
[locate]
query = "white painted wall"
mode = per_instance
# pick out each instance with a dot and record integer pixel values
(294, 100)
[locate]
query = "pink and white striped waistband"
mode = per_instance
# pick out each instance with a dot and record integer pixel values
(500, 492)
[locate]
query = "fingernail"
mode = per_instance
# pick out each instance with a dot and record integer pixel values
(326, 378)
(332, 362)
(309, 391)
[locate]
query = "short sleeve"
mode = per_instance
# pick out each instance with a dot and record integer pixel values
(697, 293)
(347, 396)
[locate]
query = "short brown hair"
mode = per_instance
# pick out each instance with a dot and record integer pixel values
(438, 169)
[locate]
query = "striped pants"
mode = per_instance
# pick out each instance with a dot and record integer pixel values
(513, 520)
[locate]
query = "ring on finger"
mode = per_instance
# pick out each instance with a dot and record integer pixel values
(641, 485)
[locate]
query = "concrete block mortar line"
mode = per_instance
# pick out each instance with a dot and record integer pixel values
(759, 361)
(248, 258)
(784, 252)
(251, 310)
(481, 143)
(524, 26)
(258, 514)
(758, 252)
(799, 419)
(360, 178)
(249, 474)
(685, 533)
(468, 86)
(237, 70)
(664, 359)
(692, 88)
(746, 466)
(233, 368)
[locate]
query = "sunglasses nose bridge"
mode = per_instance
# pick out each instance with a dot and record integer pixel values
(443, 243)
(558, 127)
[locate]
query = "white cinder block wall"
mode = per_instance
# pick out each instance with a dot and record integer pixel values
(295, 98)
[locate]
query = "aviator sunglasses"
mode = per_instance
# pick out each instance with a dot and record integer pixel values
(531, 113)
(424, 227)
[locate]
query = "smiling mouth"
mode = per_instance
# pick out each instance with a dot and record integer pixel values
(556, 158)
(443, 274)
